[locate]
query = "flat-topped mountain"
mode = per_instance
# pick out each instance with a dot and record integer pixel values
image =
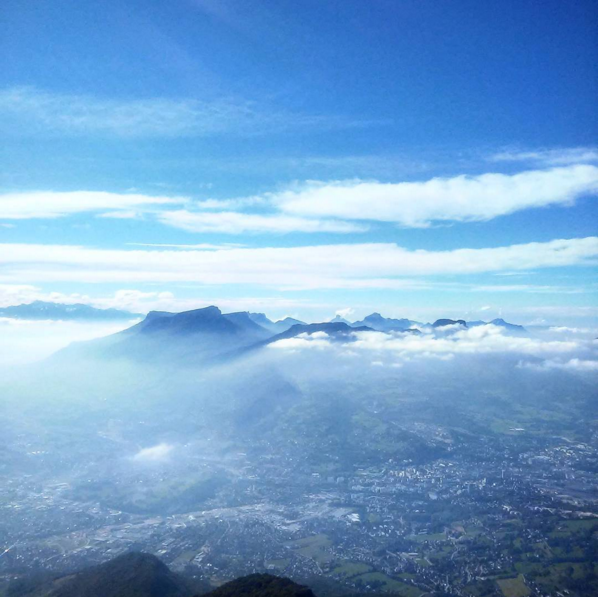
(176, 338)
(209, 320)
(40, 310)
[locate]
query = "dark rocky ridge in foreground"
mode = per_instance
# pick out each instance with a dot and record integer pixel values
(143, 575)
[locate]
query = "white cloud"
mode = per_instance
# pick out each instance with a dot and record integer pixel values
(342, 266)
(458, 199)
(49, 204)
(326, 207)
(529, 288)
(345, 313)
(231, 222)
(158, 453)
(189, 247)
(548, 157)
(138, 301)
(228, 204)
(120, 215)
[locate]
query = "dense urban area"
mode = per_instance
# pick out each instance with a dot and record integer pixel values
(511, 512)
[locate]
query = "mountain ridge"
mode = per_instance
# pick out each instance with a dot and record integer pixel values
(46, 310)
(208, 335)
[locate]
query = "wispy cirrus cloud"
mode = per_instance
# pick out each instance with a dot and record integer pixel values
(531, 288)
(27, 110)
(562, 156)
(323, 266)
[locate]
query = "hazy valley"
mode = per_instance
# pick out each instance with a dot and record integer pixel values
(418, 458)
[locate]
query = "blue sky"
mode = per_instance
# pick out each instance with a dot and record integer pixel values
(417, 158)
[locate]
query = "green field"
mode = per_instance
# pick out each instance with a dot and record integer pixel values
(280, 564)
(513, 587)
(388, 584)
(348, 569)
(423, 538)
(315, 547)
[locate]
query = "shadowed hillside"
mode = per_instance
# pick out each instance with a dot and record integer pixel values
(129, 575)
(262, 585)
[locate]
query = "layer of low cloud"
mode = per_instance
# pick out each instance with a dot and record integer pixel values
(23, 342)
(394, 348)
(326, 266)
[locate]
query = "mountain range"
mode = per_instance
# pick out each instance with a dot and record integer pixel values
(209, 335)
(383, 324)
(42, 310)
(188, 321)
(514, 328)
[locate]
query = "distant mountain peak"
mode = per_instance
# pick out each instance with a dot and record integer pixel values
(335, 329)
(440, 323)
(508, 326)
(289, 319)
(276, 327)
(339, 319)
(46, 310)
